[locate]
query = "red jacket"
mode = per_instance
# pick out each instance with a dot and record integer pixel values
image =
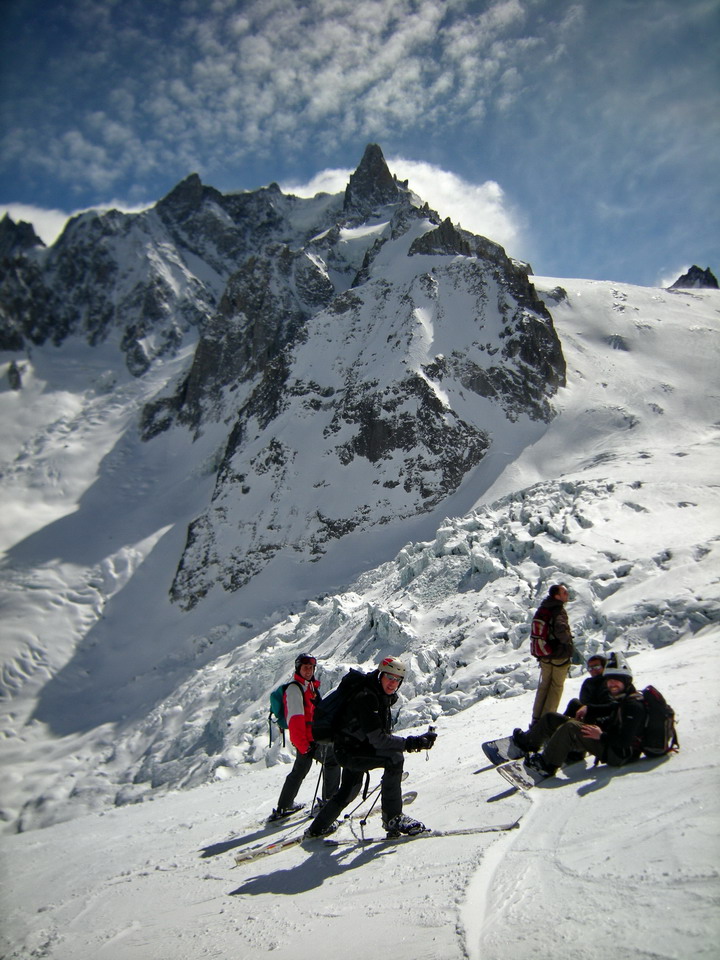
(300, 696)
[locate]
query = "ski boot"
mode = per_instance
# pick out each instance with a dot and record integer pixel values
(312, 833)
(280, 813)
(402, 824)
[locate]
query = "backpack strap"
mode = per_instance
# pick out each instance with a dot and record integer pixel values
(270, 730)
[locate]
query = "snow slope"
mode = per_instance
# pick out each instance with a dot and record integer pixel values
(621, 863)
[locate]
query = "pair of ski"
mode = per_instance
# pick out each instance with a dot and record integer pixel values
(266, 850)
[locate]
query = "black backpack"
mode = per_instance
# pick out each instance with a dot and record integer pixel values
(329, 711)
(660, 735)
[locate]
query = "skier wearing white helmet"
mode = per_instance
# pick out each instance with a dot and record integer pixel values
(365, 742)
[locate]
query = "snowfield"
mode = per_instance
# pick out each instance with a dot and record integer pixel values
(134, 740)
(614, 862)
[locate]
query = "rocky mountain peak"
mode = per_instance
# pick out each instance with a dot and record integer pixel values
(185, 198)
(372, 184)
(695, 277)
(17, 237)
(445, 239)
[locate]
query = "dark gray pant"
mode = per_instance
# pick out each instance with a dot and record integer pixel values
(354, 767)
(558, 736)
(301, 768)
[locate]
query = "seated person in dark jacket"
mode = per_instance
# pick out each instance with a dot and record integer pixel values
(611, 732)
(365, 742)
(593, 689)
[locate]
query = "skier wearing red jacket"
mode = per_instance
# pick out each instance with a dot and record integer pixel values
(300, 697)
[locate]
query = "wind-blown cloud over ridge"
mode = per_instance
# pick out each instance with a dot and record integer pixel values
(49, 224)
(481, 208)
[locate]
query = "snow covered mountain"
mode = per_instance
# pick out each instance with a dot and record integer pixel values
(358, 346)
(235, 427)
(239, 427)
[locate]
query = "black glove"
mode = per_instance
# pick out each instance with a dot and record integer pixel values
(424, 742)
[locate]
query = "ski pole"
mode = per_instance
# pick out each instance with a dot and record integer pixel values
(364, 820)
(357, 806)
(427, 752)
(377, 797)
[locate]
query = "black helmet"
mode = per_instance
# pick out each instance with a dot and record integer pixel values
(303, 659)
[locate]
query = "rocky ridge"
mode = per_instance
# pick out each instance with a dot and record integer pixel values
(352, 343)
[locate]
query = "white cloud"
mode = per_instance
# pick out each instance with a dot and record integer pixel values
(668, 276)
(327, 181)
(48, 224)
(261, 78)
(479, 207)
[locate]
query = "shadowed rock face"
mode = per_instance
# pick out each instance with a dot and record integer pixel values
(16, 238)
(372, 184)
(357, 353)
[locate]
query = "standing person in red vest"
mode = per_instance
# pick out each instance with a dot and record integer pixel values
(301, 695)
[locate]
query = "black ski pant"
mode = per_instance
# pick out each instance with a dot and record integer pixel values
(354, 767)
(300, 769)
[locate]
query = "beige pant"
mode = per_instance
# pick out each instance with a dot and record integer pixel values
(550, 688)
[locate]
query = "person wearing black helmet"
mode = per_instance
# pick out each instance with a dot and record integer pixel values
(611, 732)
(301, 695)
(365, 742)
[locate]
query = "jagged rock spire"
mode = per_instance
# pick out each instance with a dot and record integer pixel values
(17, 237)
(184, 198)
(372, 184)
(695, 277)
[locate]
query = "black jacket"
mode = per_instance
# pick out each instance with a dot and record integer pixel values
(366, 723)
(622, 727)
(594, 691)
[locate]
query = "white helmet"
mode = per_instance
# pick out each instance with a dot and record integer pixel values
(617, 668)
(393, 667)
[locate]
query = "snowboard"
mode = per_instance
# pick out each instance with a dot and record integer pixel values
(520, 776)
(502, 750)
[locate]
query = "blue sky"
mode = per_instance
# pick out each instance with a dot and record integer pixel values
(583, 135)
